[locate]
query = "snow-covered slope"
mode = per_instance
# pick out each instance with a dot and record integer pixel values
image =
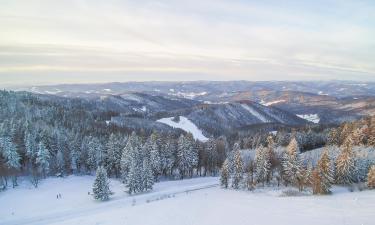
(196, 201)
(186, 125)
(310, 117)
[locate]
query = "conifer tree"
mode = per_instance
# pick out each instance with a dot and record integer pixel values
(224, 177)
(291, 164)
(12, 158)
(187, 155)
(237, 170)
(147, 174)
(263, 164)
(113, 156)
(42, 159)
(322, 175)
(155, 160)
(371, 177)
(345, 163)
(101, 185)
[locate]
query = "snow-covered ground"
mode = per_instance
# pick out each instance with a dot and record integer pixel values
(271, 103)
(310, 117)
(197, 201)
(186, 125)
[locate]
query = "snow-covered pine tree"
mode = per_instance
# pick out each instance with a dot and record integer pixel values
(75, 154)
(147, 174)
(187, 155)
(155, 160)
(237, 170)
(134, 179)
(322, 175)
(113, 156)
(224, 176)
(291, 163)
(169, 155)
(30, 147)
(345, 163)
(101, 185)
(42, 159)
(262, 165)
(12, 158)
(132, 145)
(371, 177)
(96, 154)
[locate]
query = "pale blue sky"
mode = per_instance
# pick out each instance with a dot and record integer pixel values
(70, 41)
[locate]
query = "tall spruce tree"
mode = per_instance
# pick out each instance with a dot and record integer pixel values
(42, 159)
(101, 185)
(237, 170)
(291, 163)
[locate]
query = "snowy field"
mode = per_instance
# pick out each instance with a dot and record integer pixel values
(197, 201)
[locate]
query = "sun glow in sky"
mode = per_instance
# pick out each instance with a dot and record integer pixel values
(75, 41)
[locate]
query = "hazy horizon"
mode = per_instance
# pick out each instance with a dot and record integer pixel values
(79, 41)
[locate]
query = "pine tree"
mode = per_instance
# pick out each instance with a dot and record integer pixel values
(263, 164)
(169, 155)
(224, 178)
(129, 154)
(101, 185)
(42, 159)
(371, 177)
(96, 153)
(345, 163)
(12, 158)
(155, 155)
(10, 154)
(134, 180)
(147, 174)
(322, 176)
(113, 156)
(187, 155)
(291, 164)
(31, 147)
(237, 170)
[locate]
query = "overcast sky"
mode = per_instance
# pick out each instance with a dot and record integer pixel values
(70, 41)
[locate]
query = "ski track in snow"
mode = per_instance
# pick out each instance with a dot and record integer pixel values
(186, 125)
(255, 113)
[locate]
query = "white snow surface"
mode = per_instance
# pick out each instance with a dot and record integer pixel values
(310, 117)
(186, 125)
(255, 113)
(197, 201)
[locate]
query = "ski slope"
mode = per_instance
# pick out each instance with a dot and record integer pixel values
(310, 117)
(186, 125)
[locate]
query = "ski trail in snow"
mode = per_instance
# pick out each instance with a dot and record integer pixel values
(255, 113)
(186, 125)
(117, 203)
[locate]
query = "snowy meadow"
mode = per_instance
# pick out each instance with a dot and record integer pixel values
(191, 201)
